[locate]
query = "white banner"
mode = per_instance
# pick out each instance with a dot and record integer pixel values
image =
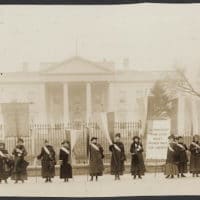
(157, 139)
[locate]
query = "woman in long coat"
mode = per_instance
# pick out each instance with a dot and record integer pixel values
(195, 156)
(6, 163)
(182, 156)
(96, 159)
(48, 161)
(137, 161)
(64, 157)
(171, 168)
(118, 157)
(20, 164)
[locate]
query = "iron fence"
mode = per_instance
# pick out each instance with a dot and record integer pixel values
(55, 134)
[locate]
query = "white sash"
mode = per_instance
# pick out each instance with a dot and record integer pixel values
(117, 148)
(2, 154)
(181, 146)
(170, 148)
(195, 144)
(139, 148)
(46, 150)
(65, 150)
(95, 146)
(19, 150)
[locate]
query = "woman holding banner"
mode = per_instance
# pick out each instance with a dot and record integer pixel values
(96, 159)
(48, 160)
(195, 156)
(137, 161)
(171, 168)
(64, 157)
(118, 157)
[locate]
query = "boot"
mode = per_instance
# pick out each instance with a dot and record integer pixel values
(115, 177)
(182, 175)
(172, 176)
(50, 181)
(47, 180)
(91, 179)
(193, 175)
(16, 181)
(197, 175)
(134, 176)
(167, 176)
(6, 181)
(139, 176)
(96, 178)
(178, 175)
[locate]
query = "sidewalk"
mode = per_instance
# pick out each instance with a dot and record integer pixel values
(151, 184)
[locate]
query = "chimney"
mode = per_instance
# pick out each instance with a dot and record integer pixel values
(25, 66)
(126, 64)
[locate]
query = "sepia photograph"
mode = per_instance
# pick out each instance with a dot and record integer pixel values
(99, 100)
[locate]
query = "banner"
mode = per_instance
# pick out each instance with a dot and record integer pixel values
(157, 139)
(72, 135)
(105, 121)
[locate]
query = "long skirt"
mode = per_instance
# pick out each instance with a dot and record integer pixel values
(48, 169)
(19, 171)
(182, 167)
(65, 170)
(171, 169)
(137, 165)
(194, 164)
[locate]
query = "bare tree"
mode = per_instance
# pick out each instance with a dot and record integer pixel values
(181, 83)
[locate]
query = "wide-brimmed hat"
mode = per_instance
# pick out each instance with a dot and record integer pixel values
(136, 137)
(20, 140)
(93, 138)
(180, 137)
(65, 142)
(2, 145)
(117, 135)
(171, 137)
(46, 141)
(196, 136)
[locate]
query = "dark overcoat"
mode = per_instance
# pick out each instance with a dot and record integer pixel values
(48, 162)
(96, 160)
(137, 160)
(182, 158)
(65, 167)
(194, 158)
(6, 165)
(20, 164)
(117, 158)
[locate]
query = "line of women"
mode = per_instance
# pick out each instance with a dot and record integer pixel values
(176, 162)
(177, 157)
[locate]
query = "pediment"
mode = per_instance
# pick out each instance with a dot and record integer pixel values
(78, 65)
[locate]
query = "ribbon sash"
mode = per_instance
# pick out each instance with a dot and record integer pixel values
(2, 154)
(65, 150)
(95, 146)
(170, 148)
(19, 150)
(46, 150)
(181, 146)
(195, 144)
(117, 148)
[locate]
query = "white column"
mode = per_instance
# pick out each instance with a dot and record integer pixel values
(195, 116)
(181, 115)
(111, 100)
(66, 103)
(88, 102)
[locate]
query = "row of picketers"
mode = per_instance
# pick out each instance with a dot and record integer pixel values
(15, 165)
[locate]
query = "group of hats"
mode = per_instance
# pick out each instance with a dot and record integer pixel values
(175, 137)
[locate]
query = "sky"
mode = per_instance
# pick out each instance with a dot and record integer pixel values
(151, 36)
